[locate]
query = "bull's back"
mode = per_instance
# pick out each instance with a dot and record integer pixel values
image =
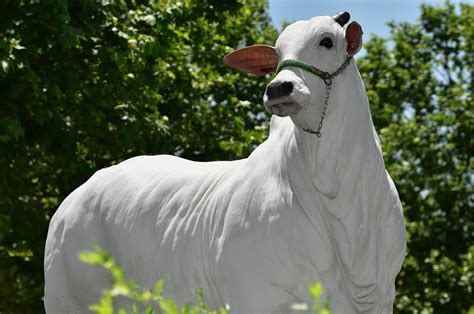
(130, 210)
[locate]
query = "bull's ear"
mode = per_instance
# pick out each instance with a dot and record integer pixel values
(354, 38)
(257, 59)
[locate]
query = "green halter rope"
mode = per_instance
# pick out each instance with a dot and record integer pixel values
(307, 67)
(325, 76)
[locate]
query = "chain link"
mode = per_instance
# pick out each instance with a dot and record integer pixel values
(323, 114)
(341, 68)
(328, 83)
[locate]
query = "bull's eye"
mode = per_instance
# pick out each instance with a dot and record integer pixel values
(326, 42)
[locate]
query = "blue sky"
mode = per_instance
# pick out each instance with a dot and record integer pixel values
(371, 14)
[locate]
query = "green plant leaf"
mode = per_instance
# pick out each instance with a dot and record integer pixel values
(169, 306)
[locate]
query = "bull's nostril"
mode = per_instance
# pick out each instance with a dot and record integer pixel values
(279, 89)
(287, 88)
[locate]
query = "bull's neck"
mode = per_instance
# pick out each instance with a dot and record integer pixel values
(347, 126)
(313, 160)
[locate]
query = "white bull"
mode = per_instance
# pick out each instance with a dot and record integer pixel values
(312, 203)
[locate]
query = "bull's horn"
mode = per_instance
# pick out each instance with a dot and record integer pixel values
(342, 18)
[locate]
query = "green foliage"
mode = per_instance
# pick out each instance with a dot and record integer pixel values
(87, 84)
(420, 89)
(150, 301)
(316, 292)
(145, 300)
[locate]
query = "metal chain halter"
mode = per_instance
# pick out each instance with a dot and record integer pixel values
(325, 76)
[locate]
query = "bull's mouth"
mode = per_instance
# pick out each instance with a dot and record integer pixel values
(282, 107)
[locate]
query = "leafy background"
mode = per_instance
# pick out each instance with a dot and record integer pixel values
(86, 84)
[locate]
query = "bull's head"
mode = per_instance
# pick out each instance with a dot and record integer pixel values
(307, 56)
